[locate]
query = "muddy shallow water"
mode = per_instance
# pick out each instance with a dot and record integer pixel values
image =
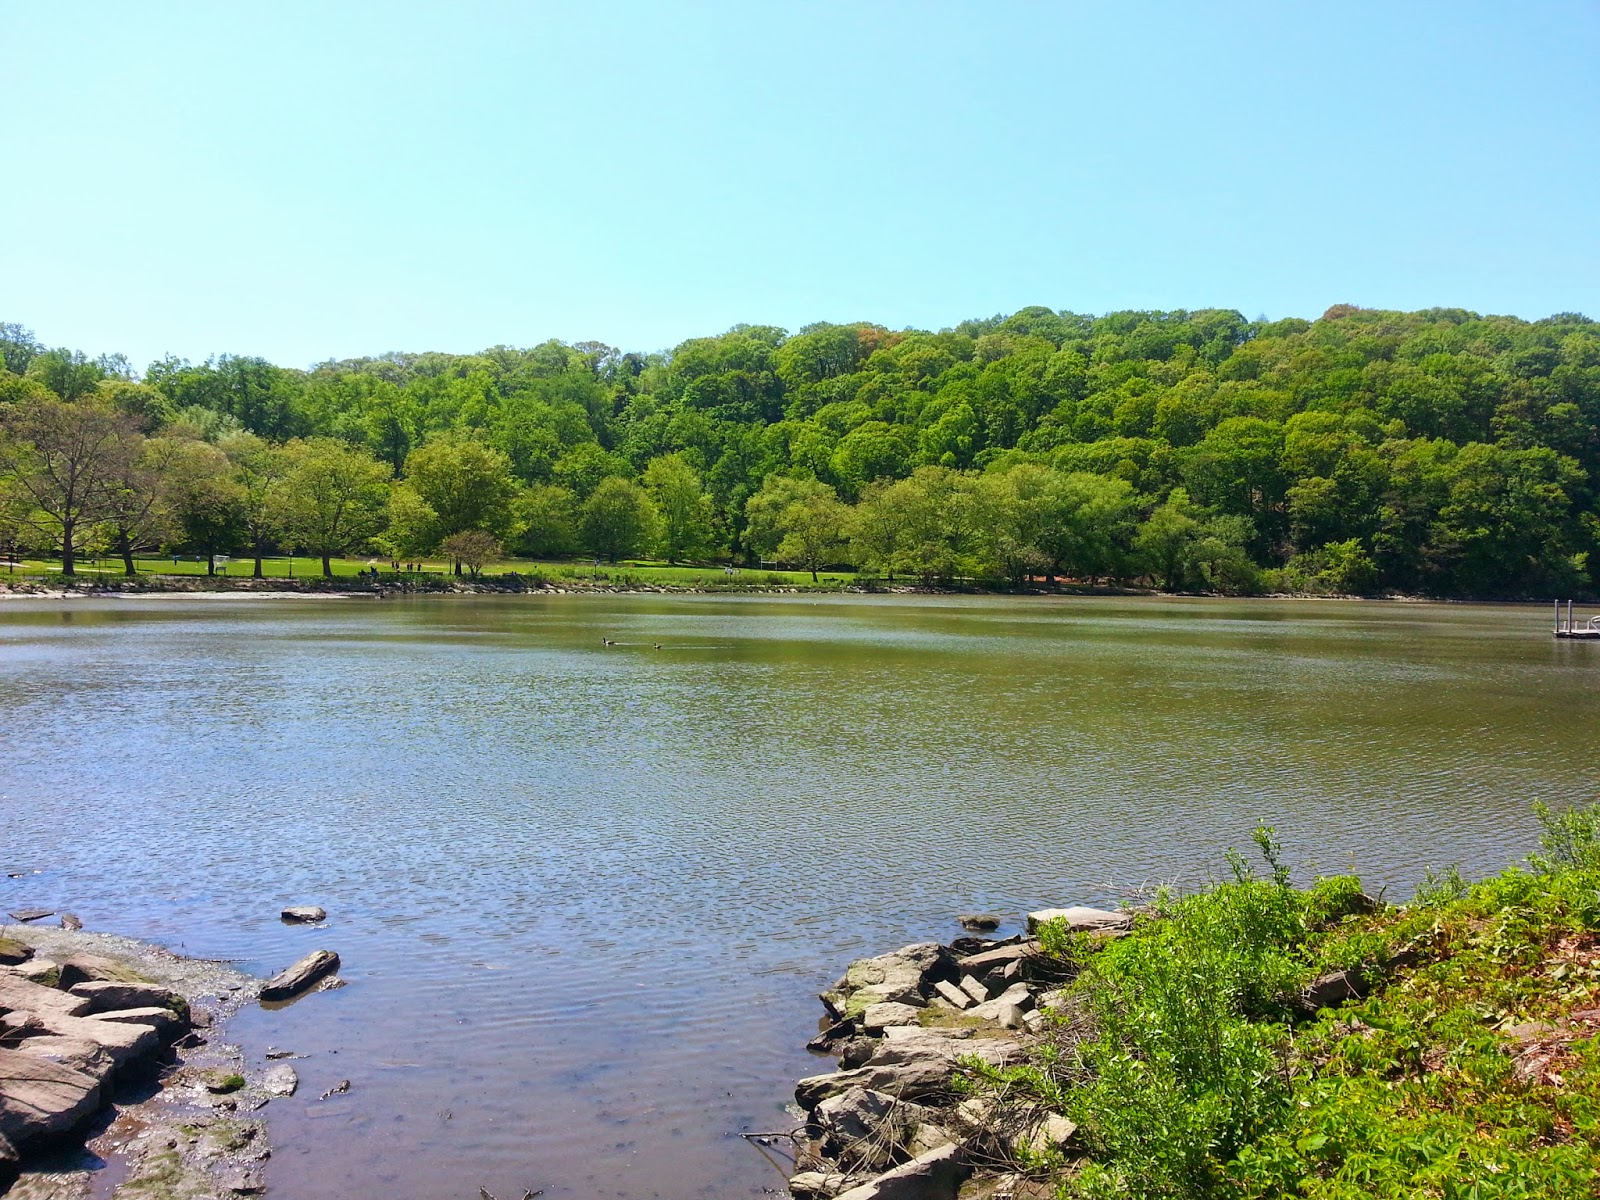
(586, 894)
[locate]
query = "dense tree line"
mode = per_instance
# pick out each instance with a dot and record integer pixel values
(1437, 452)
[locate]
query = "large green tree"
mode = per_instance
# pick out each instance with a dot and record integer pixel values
(684, 508)
(618, 519)
(64, 457)
(466, 484)
(337, 497)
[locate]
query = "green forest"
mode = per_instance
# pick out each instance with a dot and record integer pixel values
(1365, 452)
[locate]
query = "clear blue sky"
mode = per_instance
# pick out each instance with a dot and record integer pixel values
(314, 180)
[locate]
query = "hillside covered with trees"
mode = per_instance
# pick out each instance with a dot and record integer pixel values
(1436, 452)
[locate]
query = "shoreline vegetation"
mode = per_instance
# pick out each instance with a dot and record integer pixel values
(1442, 453)
(1252, 1039)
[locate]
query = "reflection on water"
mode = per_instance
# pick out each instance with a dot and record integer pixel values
(586, 894)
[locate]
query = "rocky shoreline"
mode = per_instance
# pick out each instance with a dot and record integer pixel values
(115, 1079)
(900, 1119)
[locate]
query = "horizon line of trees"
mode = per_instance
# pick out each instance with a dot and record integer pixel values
(1438, 452)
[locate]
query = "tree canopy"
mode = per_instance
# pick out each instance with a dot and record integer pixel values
(1441, 452)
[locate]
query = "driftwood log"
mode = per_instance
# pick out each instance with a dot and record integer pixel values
(290, 983)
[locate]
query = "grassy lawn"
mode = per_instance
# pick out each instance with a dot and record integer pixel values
(628, 573)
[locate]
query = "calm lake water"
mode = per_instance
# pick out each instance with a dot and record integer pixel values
(585, 895)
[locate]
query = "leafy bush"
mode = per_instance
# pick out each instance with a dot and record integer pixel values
(1180, 1079)
(1191, 1073)
(1440, 889)
(1571, 841)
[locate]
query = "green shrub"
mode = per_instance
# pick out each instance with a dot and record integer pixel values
(1438, 890)
(1571, 841)
(1180, 1078)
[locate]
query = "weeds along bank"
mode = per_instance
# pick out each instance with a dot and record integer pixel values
(1252, 1040)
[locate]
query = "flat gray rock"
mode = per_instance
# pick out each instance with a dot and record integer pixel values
(77, 1054)
(1080, 919)
(982, 963)
(125, 1043)
(303, 914)
(919, 1077)
(1017, 995)
(280, 1080)
(954, 994)
(107, 996)
(23, 995)
(161, 1020)
(41, 1099)
(880, 1016)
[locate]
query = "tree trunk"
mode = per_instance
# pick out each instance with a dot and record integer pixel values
(458, 568)
(327, 567)
(126, 547)
(69, 557)
(813, 574)
(256, 574)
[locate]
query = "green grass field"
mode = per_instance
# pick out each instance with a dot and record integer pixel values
(628, 573)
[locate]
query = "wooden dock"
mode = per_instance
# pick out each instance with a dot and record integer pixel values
(1589, 631)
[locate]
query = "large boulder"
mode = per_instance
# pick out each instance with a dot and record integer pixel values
(41, 1100)
(936, 1175)
(46, 972)
(922, 1038)
(869, 1130)
(164, 1020)
(91, 968)
(77, 1054)
(125, 1043)
(938, 1048)
(904, 976)
(919, 1078)
(886, 1013)
(13, 951)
